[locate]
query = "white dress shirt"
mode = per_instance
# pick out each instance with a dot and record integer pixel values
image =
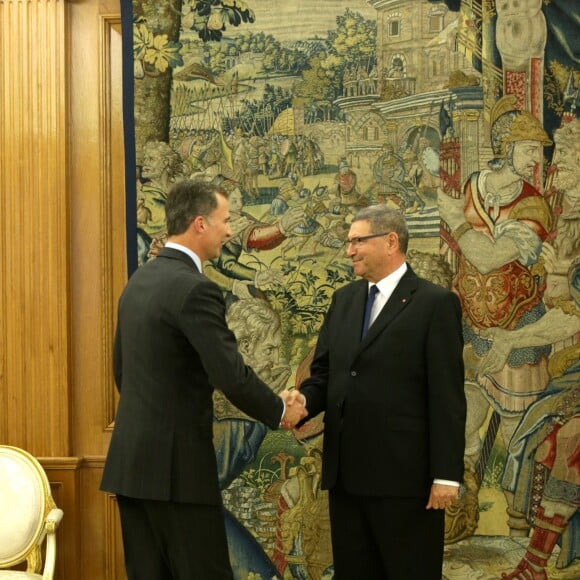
(386, 287)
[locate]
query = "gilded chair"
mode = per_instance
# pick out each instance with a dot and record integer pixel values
(28, 516)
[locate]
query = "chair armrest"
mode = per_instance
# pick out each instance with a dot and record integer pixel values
(51, 522)
(53, 518)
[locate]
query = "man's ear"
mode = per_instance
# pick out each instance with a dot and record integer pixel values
(199, 224)
(393, 241)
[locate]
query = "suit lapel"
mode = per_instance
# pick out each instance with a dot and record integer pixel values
(399, 300)
(351, 315)
(357, 307)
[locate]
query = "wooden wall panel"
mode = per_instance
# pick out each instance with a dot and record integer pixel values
(63, 474)
(34, 233)
(115, 564)
(62, 258)
(98, 216)
(98, 270)
(102, 550)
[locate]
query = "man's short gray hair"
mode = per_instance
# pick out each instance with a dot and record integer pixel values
(385, 219)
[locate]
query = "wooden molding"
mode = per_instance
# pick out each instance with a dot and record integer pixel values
(113, 205)
(114, 542)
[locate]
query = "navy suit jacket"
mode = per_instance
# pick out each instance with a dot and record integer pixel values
(394, 402)
(172, 348)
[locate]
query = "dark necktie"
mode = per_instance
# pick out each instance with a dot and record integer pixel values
(368, 309)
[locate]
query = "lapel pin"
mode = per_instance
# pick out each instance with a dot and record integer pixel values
(404, 300)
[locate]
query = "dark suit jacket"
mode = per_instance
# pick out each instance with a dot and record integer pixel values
(172, 348)
(395, 404)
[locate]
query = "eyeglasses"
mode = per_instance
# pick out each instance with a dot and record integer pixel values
(359, 240)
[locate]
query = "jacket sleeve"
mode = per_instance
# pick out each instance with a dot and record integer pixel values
(314, 388)
(202, 319)
(446, 394)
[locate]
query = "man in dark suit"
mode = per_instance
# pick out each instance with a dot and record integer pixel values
(394, 408)
(172, 349)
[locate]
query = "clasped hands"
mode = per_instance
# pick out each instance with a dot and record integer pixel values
(295, 408)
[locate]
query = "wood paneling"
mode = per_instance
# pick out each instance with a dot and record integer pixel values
(114, 568)
(63, 474)
(34, 229)
(63, 258)
(102, 551)
(98, 215)
(98, 269)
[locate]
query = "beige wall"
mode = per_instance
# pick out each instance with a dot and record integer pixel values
(62, 257)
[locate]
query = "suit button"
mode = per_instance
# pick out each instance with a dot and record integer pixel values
(353, 373)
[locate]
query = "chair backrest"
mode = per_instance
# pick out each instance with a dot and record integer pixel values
(25, 499)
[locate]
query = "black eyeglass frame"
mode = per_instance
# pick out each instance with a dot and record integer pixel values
(357, 240)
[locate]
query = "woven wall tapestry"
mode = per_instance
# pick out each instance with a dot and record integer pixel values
(307, 111)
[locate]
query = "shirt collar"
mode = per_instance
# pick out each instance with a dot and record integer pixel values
(187, 251)
(389, 283)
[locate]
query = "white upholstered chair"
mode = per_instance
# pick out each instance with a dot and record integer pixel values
(28, 516)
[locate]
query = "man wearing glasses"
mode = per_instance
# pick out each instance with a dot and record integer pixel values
(388, 373)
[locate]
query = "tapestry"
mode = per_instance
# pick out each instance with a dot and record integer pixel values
(462, 114)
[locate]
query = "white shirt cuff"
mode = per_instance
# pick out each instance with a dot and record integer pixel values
(446, 482)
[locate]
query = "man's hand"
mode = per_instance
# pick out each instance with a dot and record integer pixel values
(295, 408)
(442, 496)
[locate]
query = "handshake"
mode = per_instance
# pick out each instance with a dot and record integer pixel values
(295, 408)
